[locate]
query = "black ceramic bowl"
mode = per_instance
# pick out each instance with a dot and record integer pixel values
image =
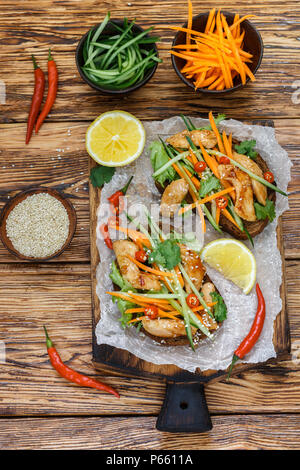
(110, 30)
(252, 43)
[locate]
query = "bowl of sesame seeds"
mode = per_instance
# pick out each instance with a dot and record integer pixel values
(37, 224)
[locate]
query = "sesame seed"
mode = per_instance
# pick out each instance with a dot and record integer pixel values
(38, 226)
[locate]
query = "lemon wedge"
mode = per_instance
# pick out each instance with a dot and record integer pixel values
(115, 138)
(233, 260)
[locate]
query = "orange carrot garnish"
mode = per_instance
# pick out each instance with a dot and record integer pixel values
(216, 56)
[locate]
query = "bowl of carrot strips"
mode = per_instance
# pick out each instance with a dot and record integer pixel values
(216, 52)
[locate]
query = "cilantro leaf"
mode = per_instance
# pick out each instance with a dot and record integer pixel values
(246, 148)
(210, 184)
(159, 157)
(101, 174)
(167, 254)
(220, 309)
(262, 212)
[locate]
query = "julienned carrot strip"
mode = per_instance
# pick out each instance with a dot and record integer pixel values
(235, 29)
(133, 234)
(167, 315)
(190, 21)
(209, 20)
(234, 24)
(179, 275)
(228, 149)
(150, 270)
(194, 197)
(193, 178)
(149, 299)
(249, 73)
(234, 48)
(214, 85)
(211, 162)
(135, 310)
(229, 217)
(139, 300)
(200, 212)
(206, 199)
(218, 210)
(136, 319)
(216, 131)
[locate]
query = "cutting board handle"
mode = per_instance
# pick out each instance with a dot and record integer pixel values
(184, 409)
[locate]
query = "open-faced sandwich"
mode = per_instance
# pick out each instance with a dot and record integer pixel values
(227, 181)
(161, 287)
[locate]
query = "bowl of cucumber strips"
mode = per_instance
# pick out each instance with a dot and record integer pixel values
(117, 56)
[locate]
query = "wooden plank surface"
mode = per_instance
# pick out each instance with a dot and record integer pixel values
(250, 432)
(58, 293)
(62, 23)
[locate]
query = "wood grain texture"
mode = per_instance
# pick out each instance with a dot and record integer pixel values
(252, 432)
(44, 294)
(62, 23)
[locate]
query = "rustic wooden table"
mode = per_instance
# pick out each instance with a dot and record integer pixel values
(258, 409)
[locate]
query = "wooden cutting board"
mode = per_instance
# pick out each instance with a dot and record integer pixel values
(184, 408)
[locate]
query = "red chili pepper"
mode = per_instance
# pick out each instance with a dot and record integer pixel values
(71, 374)
(224, 161)
(37, 98)
(106, 237)
(268, 176)
(254, 333)
(151, 312)
(52, 90)
(222, 202)
(141, 256)
(116, 200)
(199, 167)
(192, 300)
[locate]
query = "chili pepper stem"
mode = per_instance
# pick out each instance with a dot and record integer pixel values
(235, 358)
(35, 65)
(49, 55)
(124, 190)
(48, 340)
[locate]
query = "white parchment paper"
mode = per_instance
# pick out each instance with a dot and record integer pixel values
(214, 354)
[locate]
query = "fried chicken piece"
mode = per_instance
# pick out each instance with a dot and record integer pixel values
(192, 264)
(172, 196)
(165, 328)
(259, 189)
(206, 137)
(244, 204)
(137, 278)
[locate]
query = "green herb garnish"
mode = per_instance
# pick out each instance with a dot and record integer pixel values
(159, 158)
(210, 184)
(246, 148)
(167, 254)
(220, 309)
(101, 174)
(262, 212)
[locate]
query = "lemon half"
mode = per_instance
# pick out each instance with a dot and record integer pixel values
(115, 138)
(233, 260)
